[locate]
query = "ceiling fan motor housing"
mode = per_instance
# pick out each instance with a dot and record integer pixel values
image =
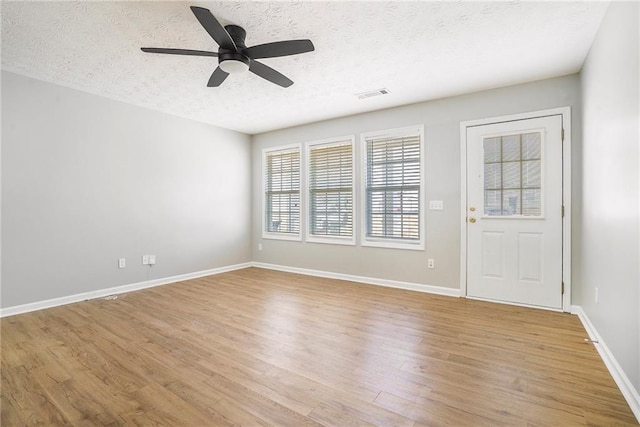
(234, 61)
(225, 58)
(238, 34)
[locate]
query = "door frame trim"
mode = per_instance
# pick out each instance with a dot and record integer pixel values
(565, 112)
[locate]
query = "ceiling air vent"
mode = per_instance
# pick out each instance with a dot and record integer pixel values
(371, 93)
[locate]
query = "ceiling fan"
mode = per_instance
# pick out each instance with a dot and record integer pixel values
(234, 56)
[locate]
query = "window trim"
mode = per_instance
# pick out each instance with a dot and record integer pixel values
(337, 240)
(382, 242)
(270, 234)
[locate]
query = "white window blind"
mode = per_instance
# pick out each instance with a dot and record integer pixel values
(392, 187)
(282, 191)
(331, 189)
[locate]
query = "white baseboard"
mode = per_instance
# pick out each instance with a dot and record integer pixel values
(622, 380)
(55, 302)
(440, 290)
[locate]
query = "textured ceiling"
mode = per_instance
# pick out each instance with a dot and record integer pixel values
(417, 50)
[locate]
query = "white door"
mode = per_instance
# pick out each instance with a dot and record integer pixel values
(514, 211)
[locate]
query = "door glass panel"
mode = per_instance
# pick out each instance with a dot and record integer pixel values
(492, 150)
(531, 202)
(511, 202)
(531, 146)
(511, 148)
(493, 202)
(512, 175)
(493, 176)
(531, 174)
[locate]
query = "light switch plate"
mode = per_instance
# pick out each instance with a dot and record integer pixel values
(436, 205)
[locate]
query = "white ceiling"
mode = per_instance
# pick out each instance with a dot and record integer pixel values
(417, 50)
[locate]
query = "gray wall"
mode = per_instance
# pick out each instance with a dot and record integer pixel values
(611, 188)
(442, 141)
(87, 180)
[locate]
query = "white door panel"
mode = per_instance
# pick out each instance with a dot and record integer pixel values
(514, 209)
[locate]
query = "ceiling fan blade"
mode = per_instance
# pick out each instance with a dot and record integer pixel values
(268, 73)
(217, 77)
(214, 28)
(178, 51)
(283, 48)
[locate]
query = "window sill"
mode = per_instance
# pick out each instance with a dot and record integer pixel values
(331, 240)
(393, 244)
(282, 236)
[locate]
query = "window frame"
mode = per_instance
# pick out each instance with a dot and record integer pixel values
(315, 238)
(386, 242)
(276, 235)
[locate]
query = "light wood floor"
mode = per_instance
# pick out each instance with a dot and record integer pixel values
(258, 347)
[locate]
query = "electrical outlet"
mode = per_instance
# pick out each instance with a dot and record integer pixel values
(259, 246)
(596, 296)
(152, 260)
(431, 263)
(122, 263)
(145, 259)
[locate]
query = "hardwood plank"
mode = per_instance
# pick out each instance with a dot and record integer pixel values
(173, 409)
(260, 347)
(434, 412)
(28, 398)
(347, 413)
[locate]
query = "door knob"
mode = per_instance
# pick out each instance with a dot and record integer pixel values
(472, 220)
